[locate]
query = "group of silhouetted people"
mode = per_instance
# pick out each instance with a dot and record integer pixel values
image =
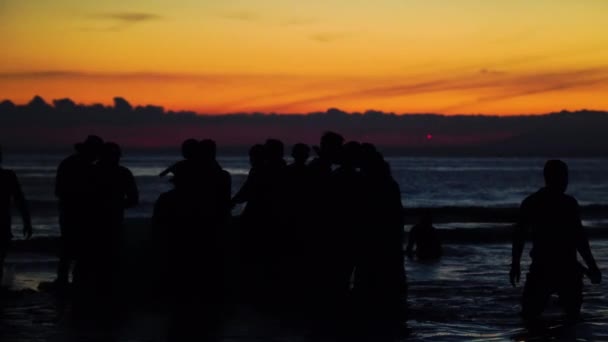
(322, 237)
(93, 191)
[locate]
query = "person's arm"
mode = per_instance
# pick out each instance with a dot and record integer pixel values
(244, 193)
(21, 204)
(519, 240)
(132, 193)
(583, 248)
(170, 169)
(226, 192)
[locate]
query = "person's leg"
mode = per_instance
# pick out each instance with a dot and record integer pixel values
(66, 249)
(4, 244)
(65, 262)
(571, 296)
(2, 257)
(535, 297)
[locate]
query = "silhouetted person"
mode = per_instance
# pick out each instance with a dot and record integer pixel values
(252, 216)
(297, 199)
(552, 219)
(188, 224)
(275, 235)
(190, 151)
(322, 218)
(250, 190)
(327, 154)
(300, 154)
(424, 236)
(379, 287)
(10, 190)
(346, 193)
(115, 191)
(74, 186)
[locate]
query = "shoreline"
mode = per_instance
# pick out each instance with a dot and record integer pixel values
(496, 231)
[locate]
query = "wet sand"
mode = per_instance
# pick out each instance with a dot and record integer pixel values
(463, 297)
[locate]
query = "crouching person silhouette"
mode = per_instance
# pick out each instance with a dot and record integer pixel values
(552, 219)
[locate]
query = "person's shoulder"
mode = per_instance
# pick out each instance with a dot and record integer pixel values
(72, 158)
(124, 169)
(570, 200)
(8, 174)
(532, 198)
(67, 161)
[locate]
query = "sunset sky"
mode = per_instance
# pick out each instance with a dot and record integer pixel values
(288, 56)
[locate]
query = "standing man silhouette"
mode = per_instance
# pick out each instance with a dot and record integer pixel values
(74, 188)
(10, 190)
(552, 218)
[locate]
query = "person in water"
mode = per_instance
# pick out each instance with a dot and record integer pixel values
(190, 151)
(424, 236)
(553, 221)
(74, 189)
(10, 190)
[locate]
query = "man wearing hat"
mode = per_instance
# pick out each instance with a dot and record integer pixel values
(73, 188)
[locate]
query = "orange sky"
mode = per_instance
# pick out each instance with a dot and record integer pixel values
(442, 56)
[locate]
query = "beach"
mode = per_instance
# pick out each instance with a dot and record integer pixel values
(465, 296)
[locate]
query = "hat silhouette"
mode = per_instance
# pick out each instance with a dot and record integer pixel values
(91, 144)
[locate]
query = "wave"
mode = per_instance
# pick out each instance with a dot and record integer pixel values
(468, 214)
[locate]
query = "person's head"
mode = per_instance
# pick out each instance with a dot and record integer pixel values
(274, 150)
(189, 149)
(110, 154)
(331, 144)
(208, 150)
(556, 175)
(90, 148)
(371, 159)
(300, 153)
(257, 155)
(351, 154)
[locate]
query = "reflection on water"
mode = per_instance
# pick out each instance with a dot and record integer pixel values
(465, 296)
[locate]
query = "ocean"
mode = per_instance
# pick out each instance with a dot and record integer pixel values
(426, 182)
(465, 296)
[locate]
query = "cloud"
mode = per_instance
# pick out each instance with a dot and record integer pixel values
(494, 72)
(128, 17)
(65, 121)
(255, 17)
(505, 84)
(329, 37)
(558, 85)
(118, 21)
(137, 76)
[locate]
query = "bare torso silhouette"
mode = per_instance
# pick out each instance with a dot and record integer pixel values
(555, 227)
(552, 220)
